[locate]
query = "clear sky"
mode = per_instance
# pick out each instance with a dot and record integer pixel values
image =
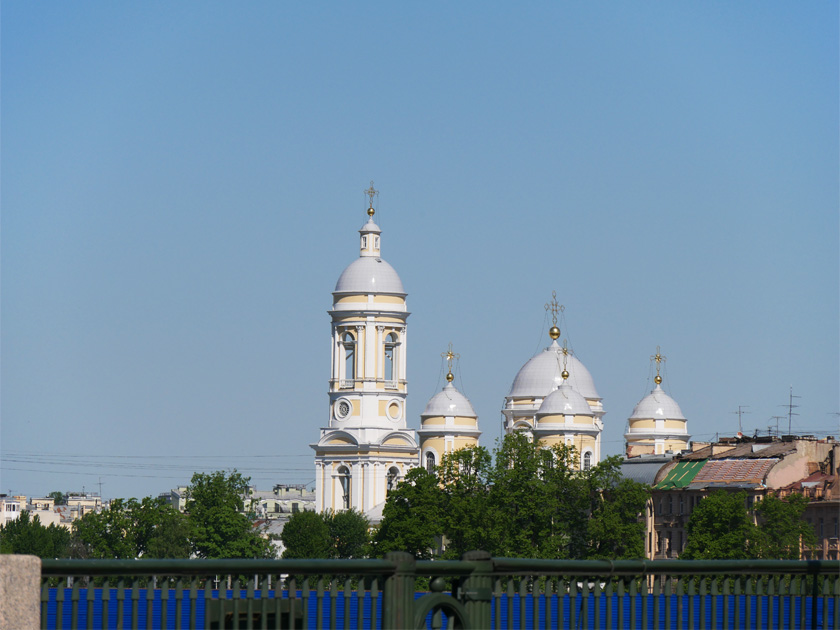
(182, 186)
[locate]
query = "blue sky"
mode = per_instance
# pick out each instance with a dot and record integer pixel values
(182, 186)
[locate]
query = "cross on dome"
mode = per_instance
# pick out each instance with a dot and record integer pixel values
(659, 358)
(449, 356)
(371, 192)
(554, 307)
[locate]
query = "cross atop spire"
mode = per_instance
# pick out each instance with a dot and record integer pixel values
(449, 356)
(554, 307)
(566, 353)
(659, 360)
(371, 192)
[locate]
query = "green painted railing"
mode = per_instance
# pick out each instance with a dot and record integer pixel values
(475, 592)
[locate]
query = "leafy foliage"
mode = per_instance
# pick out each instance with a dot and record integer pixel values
(413, 516)
(526, 501)
(59, 497)
(219, 527)
(132, 529)
(26, 535)
(306, 535)
(781, 528)
(326, 535)
(719, 528)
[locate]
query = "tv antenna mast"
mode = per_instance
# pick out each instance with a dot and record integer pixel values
(776, 418)
(790, 407)
(741, 412)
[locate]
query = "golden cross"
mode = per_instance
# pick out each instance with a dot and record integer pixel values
(554, 307)
(449, 356)
(371, 192)
(658, 358)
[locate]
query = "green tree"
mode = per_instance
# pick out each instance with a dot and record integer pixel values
(615, 527)
(107, 534)
(59, 497)
(412, 519)
(306, 535)
(781, 528)
(464, 477)
(132, 529)
(26, 535)
(720, 528)
(219, 526)
(348, 534)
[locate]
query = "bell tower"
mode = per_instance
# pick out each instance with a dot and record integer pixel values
(366, 447)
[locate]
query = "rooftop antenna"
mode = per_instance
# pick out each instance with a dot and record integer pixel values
(740, 412)
(776, 418)
(790, 407)
(100, 487)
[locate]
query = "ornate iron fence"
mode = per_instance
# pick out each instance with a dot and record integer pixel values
(475, 592)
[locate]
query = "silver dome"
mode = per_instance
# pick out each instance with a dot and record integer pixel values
(369, 275)
(449, 402)
(564, 401)
(657, 404)
(541, 375)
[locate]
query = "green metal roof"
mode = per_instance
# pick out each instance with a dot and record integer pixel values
(681, 475)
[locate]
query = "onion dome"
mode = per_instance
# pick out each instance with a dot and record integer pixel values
(564, 401)
(448, 402)
(543, 373)
(657, 405)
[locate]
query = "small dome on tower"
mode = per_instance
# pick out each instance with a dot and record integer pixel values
(564, 401)
(448, 402)
(657, 405)
(543, 373)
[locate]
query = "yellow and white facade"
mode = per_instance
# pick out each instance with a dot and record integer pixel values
(367, 447)
(657, 424)
(447, 424)
(554, 400)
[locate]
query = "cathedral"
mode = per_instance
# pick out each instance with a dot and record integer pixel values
(368, 446)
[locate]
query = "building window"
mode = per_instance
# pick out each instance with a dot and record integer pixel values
(390, 352)
(295, 508)
(349, 356)
(670, 504)
(587, 460)
(682, 505)
(376, 242)
(344, 481)
(430, 462)
(364, 242)
(393, 478)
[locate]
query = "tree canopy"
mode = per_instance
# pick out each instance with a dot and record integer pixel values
(721, 528)
(132, 529)
(327, 535)
(219, 526)
(524, 501)
(26, 535)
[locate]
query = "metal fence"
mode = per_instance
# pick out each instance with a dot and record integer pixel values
(475, 592)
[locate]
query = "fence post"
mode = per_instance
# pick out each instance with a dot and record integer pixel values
(20, 591)
(398, 601)
(477, 589)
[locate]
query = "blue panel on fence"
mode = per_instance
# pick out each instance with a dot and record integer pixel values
(765, 611)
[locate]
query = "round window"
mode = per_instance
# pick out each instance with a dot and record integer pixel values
(342, 409)
(394, 410)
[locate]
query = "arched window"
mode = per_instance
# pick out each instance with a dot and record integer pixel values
(349, 343)
(587, 460)
(430, 462)
(390, 354)
(344, 481)
(393, 478)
